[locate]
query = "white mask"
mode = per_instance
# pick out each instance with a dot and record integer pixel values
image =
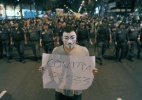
(69, 39)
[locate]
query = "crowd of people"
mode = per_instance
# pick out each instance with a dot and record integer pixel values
(47, 33)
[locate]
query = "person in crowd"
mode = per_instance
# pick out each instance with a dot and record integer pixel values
(34, 38)
(5, 36)
(18, 37)
(69, 47)
(47, 39)
(139, 42)
(83, 36)
(120, 39)
(60, 33)
(1, 47)
(132, 40)
(102, 39)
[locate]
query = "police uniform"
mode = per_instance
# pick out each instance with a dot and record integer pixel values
(34, 37)
(139, 44)
(47, 38)
(53, 27)
(1, 47)
(18, 37)
(60, 34)
(132, 38)
(5, 36)
(120, 38)
(83, 36)
(103, 36)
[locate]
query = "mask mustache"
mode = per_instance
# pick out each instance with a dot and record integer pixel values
(70, 43)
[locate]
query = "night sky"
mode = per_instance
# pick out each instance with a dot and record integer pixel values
(72, 4)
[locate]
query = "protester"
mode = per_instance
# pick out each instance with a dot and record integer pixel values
(69, 47)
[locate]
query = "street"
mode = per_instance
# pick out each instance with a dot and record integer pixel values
(114, 81)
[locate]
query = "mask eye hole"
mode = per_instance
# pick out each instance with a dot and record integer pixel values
(72, 37)
(66, 37)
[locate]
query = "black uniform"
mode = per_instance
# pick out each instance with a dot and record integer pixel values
(132, 38)
(47, 40)
(120, 38)
(139, 44)
(1, 47)
(83, 36)
(5, 36)
(18, 35)
(34, 37)
(60, 34)
(54, 28)
(103, 37)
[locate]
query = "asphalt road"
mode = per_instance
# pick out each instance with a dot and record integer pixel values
(115, 80)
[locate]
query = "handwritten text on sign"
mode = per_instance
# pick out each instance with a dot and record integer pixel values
(67, 72)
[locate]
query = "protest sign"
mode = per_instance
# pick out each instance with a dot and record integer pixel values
(67, 72)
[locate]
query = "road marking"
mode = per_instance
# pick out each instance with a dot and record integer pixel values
(2, 93)
(119, 99)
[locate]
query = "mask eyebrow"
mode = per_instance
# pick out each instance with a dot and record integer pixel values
(72, 36)
(66, 36)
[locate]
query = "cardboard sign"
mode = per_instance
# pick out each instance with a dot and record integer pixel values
(67, 72)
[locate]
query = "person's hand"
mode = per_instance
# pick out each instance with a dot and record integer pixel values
(40, 44)
(91, 43)
(95, 71)
(115, 43)
(139, 41)
(25, 42)
(41, 69)
(57, 42)
(54, 38)
(11, 43)
(128, 42)
(110, 41)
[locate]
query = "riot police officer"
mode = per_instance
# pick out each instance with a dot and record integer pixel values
(103, 38)
(1, 47)
(19, 38)
(132, 40)
(83, 36)
(34, 37)
(47, 39)
(5, 36)
(60, 33)
(139, 43)
(120, 39)
(54, 28)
